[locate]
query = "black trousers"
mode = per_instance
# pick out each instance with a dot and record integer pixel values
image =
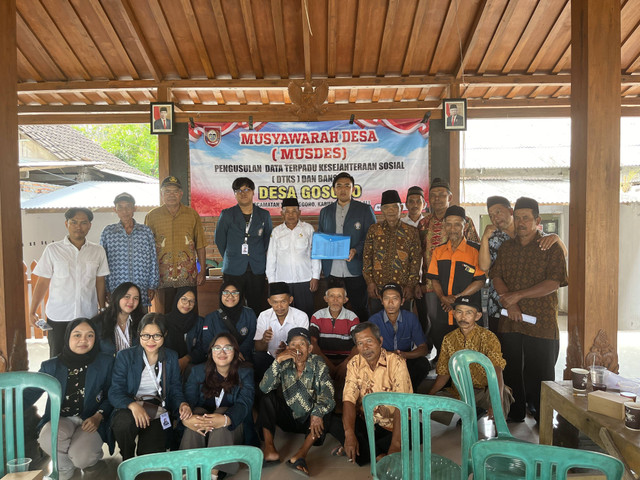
(530, 361)
(302, 297)
(357, 293)
(418, 369)
(382, 438)
(55, 337)
(150, 440)
(274, 412)
(252, 285)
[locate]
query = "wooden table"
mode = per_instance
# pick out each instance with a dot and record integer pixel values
(559, 396)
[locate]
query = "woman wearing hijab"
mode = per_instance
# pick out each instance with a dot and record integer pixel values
(84, 375)
(233, 318)
(182, 318)
(221, 393)
(146, 391)
(118, 324)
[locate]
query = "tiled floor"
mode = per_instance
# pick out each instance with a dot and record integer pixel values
(323, 466)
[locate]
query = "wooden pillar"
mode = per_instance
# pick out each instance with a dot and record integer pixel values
(163, 140)
(454, 153)
(13, 349)
(594, 209)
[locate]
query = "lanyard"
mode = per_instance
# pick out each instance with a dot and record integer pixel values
(154, 377)
(246, 228)
(219, 398)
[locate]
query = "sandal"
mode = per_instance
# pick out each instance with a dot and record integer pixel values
(300, 466)
(338, 452)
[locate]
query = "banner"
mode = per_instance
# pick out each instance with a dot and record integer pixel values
(301, 159)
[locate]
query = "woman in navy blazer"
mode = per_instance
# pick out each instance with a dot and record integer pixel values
(84, 375)
(146, 390)
(221, 394)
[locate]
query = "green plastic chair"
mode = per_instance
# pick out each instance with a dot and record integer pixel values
(191, 462)
(542, 462)
(414, 462)
(12, 387)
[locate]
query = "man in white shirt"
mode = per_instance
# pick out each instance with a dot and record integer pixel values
(73, 271)
(273, 326)
(289, 257)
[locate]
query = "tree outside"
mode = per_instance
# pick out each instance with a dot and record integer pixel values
(132, 143)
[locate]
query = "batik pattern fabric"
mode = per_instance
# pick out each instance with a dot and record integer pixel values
(131, 257)
(73, 400)
(496, 240)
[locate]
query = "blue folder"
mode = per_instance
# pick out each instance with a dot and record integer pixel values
(330, 247)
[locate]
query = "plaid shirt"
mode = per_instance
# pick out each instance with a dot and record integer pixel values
(309, 394)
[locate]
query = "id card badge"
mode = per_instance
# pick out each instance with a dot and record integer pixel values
(245, 249)
(165, 421)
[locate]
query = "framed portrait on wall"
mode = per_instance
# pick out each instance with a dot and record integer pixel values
(454, 112)
(162, 118)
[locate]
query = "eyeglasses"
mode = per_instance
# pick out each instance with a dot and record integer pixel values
(226, 293)
(217, 349)
(243, 190)
(147, 336)
(186, 301)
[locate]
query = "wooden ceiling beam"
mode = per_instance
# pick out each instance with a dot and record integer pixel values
(387, 35)
(563, 61)
(360, 106)
(498, 34)
(634, 67)
(113, 37)
(472, 38)
(82, 119)
(196, 34)
(278, 29)
(532, 28)
(445, 32)
(82, 109)
(306, 39)
(252, 39)
(414, 38)
(557, 30)
(518, 103)
(167, 37)
(223, 33)
(362, 17)
(24, 63)
(140, 40)
(332, 37)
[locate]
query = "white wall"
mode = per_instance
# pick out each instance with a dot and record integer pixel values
(40, 229)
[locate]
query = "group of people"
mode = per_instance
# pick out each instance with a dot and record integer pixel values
(153, 381)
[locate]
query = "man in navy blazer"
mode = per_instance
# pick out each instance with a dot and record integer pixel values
(242, 236)
(348, 217)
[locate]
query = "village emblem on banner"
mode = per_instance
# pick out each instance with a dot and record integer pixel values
(212, 136)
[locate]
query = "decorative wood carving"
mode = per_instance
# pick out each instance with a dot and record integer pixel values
(308, 98)
(575, 356)
(602, 353)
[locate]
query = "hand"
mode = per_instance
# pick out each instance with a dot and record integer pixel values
(241, 357)
(183, 362)
(92, 423)
(267, 335)
(185, 411)
(547, 241)
(407, 293)
(515, 313)
(316, 426)
(33, 318)
(351, 447)
(372, 290)
(151, 293)
(417, 291)
(286, 354)
(313, 284)
(510, 299)
(447, 302)
(402, 354)
(139, 415)
(200, 278)
(352, 253)
(199, 423)
(488, 231)
(281, 348)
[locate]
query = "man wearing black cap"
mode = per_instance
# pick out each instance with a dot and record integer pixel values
(242, 237)
(495, 234)
(392, 253)
(299, 398)
(432, 233)
(180, 242)
(273, 326)
(353, 218)
(454, 271)
(402, 333)
(131, 251)
(469, 336)
(527, 279)
(289, 257)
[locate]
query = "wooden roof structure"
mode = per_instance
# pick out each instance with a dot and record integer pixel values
(93, 61)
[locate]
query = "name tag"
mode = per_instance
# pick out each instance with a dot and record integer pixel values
(245, 249)
(165, 421)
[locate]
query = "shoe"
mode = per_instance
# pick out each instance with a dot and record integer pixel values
(514, 420)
